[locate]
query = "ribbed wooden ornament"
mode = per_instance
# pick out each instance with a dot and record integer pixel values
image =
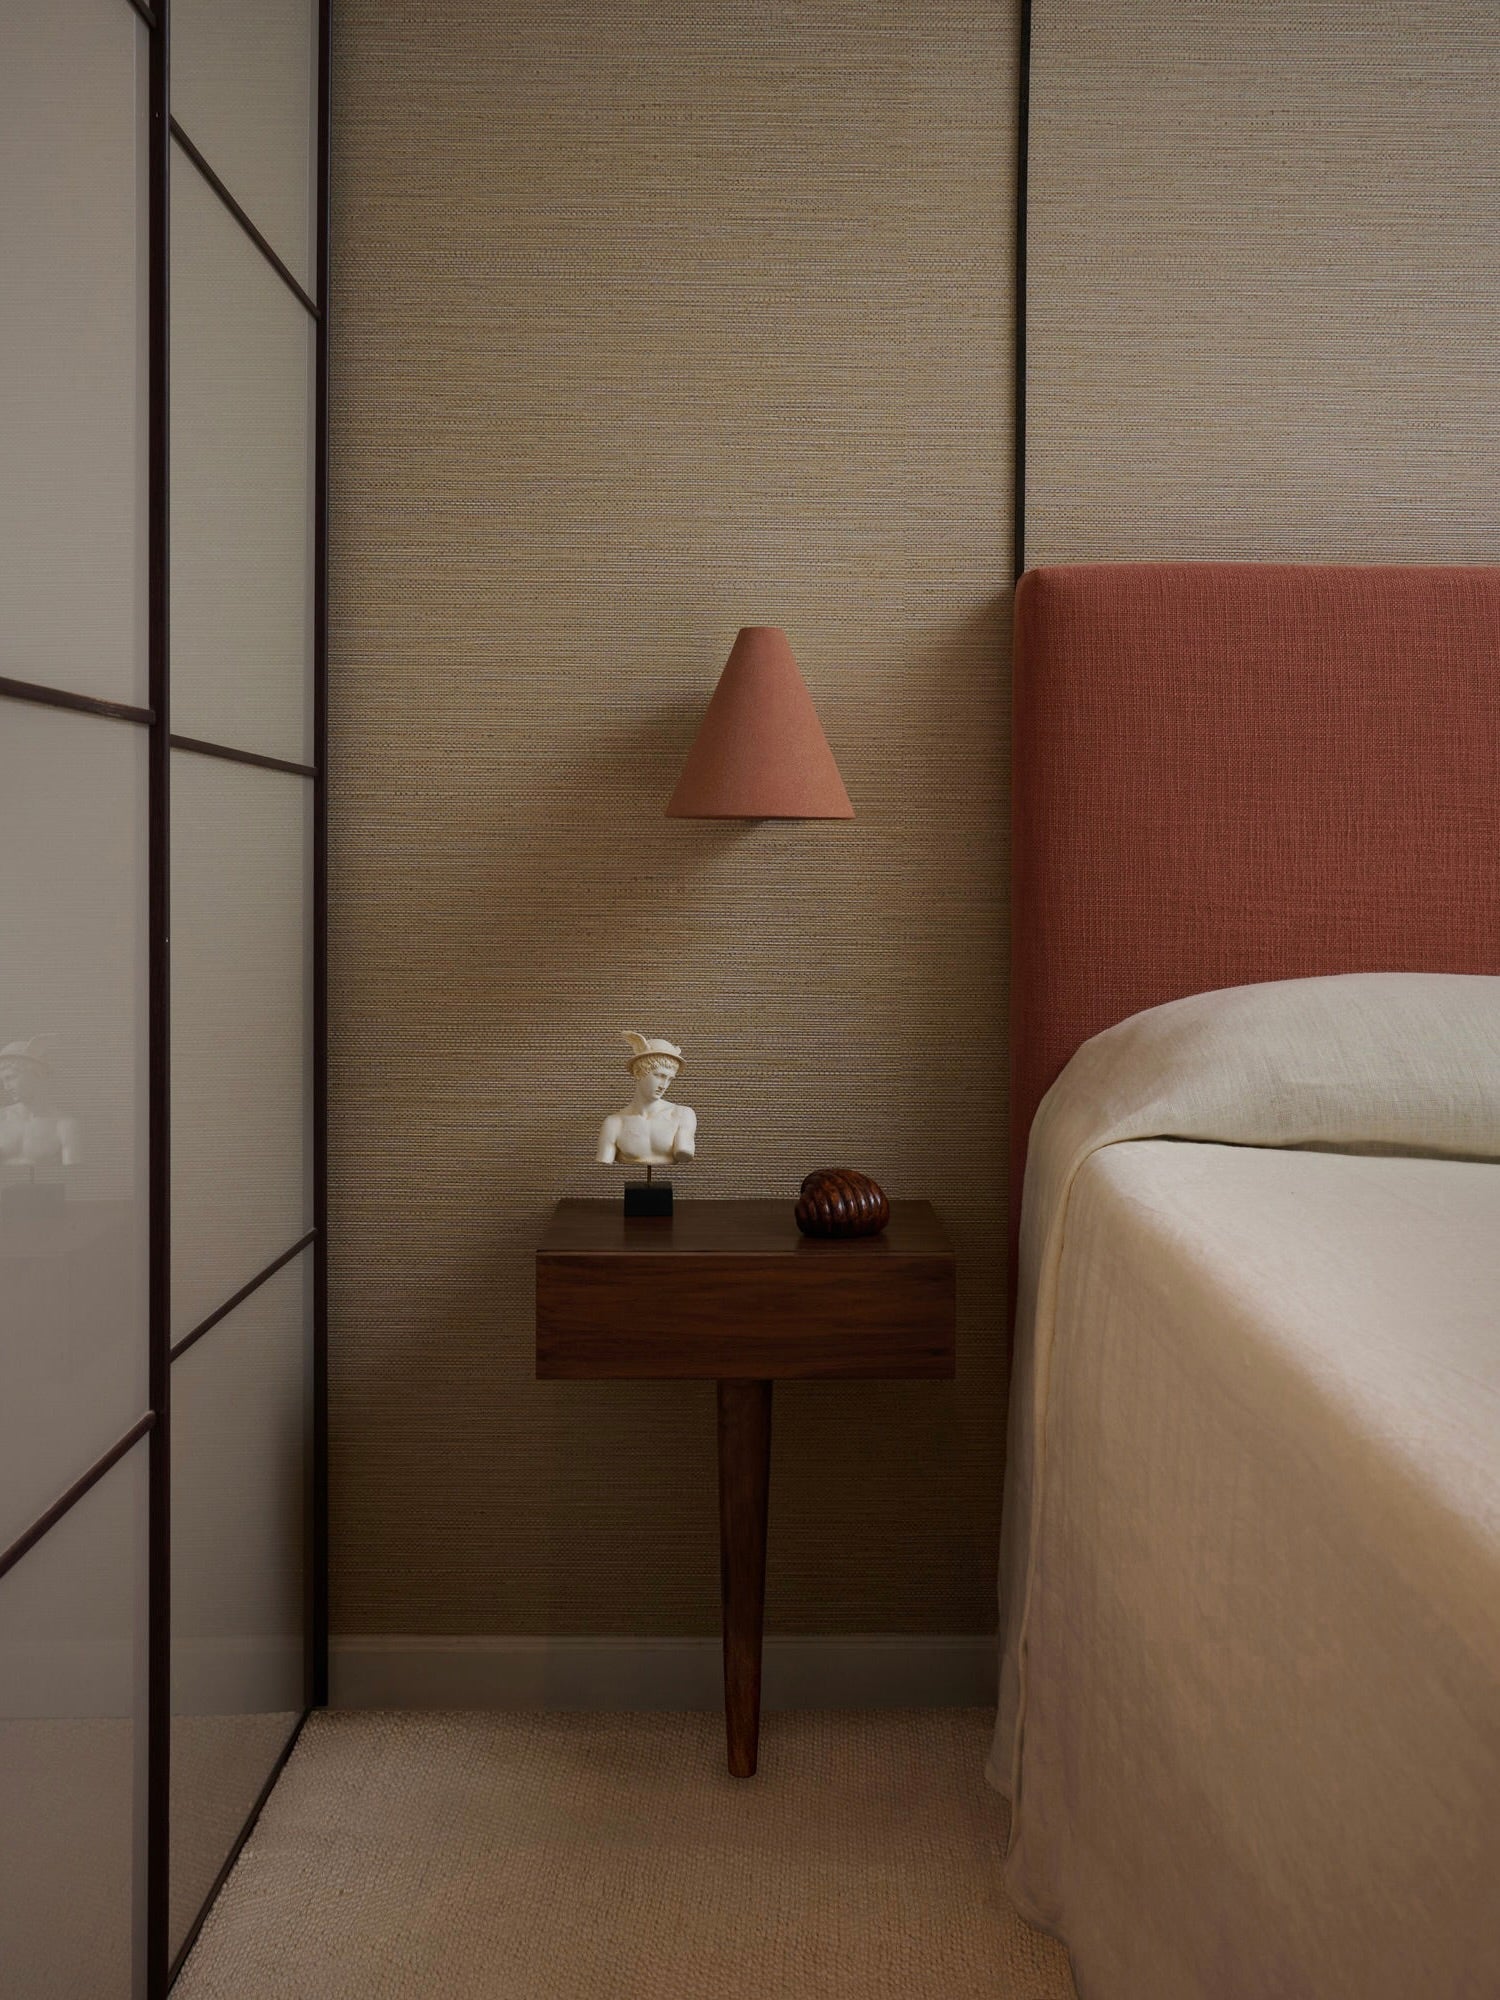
(839, 1201)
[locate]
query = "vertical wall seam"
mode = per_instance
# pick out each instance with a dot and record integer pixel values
(1018, 426)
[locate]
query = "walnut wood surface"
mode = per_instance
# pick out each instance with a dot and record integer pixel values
(732, 1290)
(744, 1495)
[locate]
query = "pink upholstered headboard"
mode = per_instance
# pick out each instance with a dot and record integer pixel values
(1230, 772)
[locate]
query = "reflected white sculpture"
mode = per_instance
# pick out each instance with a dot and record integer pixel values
(34, 1132)
(649, 1132)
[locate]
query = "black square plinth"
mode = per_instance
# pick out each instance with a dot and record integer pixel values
(648, 1197)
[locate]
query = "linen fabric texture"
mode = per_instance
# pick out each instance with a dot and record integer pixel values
(1250, 1575)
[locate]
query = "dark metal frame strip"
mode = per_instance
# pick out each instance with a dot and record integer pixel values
(27, 1540)
(245, 1291)
(231, 755)
(159, 1642)
(83, 704)
(261, 243)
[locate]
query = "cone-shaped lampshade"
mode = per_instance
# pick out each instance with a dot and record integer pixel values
(760, 751)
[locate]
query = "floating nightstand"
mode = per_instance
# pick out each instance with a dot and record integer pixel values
(731, 1292)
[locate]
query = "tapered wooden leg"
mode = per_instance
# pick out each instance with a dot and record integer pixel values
(744, 1487)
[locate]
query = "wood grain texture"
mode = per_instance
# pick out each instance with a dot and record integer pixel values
(744, 1507)
(841, 1201)
(648, 322)
(759, 1228)
(732, 1290)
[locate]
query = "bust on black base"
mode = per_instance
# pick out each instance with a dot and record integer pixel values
(649, 1132)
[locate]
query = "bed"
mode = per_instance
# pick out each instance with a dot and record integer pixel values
(1250, 1578)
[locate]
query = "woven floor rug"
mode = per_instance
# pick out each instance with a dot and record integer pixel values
(595, 1857)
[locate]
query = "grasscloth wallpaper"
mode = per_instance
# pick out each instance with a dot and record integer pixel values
(1264, 281)
(649, 321)
(655, 320)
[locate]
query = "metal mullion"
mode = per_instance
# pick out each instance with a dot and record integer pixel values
(318, 1618)
(159, 1534)
(231, 755)
(147, 14)
(27, 1540)
(245, 1291)
(82, 704)
(261, 243)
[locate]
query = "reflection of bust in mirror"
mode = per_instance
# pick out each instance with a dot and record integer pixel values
(649, 1132)
(37, 1138)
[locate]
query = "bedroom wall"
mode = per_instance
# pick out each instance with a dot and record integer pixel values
(650, 321)
(1264, 280)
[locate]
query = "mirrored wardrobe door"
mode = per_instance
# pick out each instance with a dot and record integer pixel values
(244, 390)
(75, 736)
(73, 1632)
(241, 1466)
(145, 765)
(73, 1124)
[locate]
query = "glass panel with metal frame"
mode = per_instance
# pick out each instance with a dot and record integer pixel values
(73, 347)
(241, 1468)
(241, 1026)
(242, 448)
(243, 83)
(74, 1205)
(72, 1748)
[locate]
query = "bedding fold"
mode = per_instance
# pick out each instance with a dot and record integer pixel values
(1255, 1427)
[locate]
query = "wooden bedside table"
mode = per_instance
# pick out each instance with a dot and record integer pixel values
(730, 1291)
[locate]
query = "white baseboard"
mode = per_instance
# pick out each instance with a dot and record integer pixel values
(861, 1671)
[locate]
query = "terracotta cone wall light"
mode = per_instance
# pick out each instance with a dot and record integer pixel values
(760, 751)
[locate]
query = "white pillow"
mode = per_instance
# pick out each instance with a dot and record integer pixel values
(1394, 1061)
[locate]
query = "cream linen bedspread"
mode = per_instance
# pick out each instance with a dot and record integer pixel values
(1250, 1678)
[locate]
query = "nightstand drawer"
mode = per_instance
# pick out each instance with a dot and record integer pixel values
(825, 1316)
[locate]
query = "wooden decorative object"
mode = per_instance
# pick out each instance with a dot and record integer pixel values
(838, 1201)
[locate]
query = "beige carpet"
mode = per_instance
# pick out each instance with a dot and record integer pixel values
(588, 1857)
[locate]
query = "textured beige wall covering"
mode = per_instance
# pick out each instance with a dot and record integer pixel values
(652, 320)
(1264, 280)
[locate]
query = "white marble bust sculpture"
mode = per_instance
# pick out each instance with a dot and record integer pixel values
(649, 1132)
